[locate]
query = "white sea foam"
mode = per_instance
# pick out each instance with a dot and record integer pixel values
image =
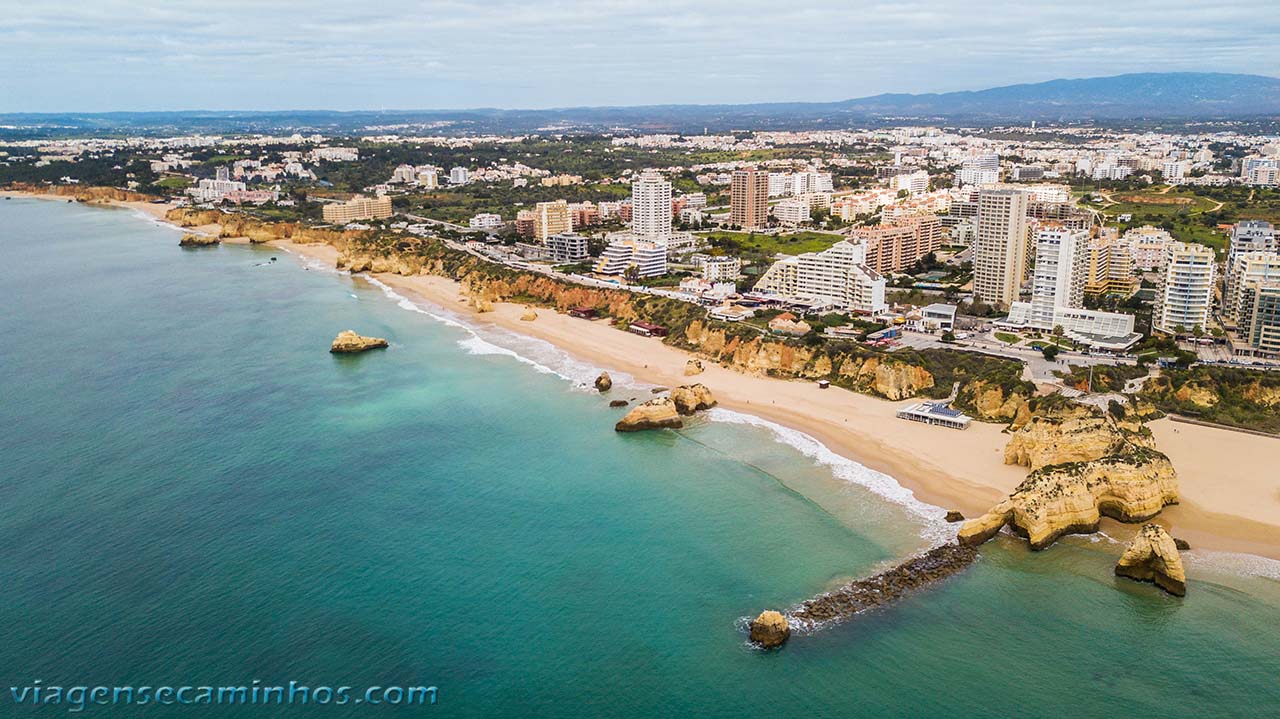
(936, 528)
(1249, 565)
(542, 356)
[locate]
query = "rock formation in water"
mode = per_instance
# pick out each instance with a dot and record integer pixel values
(665, 412)
(529, 315)
(917, 572)
(193, 240)
(1072, 498)
(604, 382)
(657, 413)
(618, 403)
(348, 341)
(1153, 556)
(770, 629)
(692, 367)
(1085, 464)
(692, 397)
(953, 516)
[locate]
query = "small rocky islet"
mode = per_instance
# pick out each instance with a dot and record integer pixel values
(349, 342)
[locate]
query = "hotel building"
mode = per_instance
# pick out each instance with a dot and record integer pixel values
(894, 246)
(551, 218)
(1000, 246)
(357, 208)
(1186, 289)
(1242, 269)
(649, 258)
(1057, 295)
(749, 199)
(837, 277)
(651, 206)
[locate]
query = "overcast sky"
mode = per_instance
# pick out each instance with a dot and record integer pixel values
(95, 55)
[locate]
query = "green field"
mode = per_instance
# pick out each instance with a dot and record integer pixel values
(752, 243)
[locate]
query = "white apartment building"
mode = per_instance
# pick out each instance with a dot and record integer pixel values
(567, 247)
(719, 269)
(916, 183)
(791, 212)
(976, 176)
(1175, 171)
(1000, 246)
(1057, 295)
(486, 221)
(651, 206)
(1186, 288)
(649, 258)
(838, 277)
(1243, 269)
(404, 175)
(459, 176)
(1252, 236)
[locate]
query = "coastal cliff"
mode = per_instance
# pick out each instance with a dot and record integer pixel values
(1072, 498)
(991, 388)
(1085, 464)
(1059, 431)
(84, 193)
(1153, 556)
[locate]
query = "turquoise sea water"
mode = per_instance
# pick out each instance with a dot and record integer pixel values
(193, 491)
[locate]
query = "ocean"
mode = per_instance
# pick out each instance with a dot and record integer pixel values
(196, 493)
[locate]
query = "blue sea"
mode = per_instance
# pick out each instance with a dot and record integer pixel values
(194, 492)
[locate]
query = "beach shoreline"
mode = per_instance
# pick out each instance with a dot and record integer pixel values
(155, 210)
(950, 469)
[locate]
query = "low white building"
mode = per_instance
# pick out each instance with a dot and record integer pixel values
(486, 221)
(567, 247)
(791, 212)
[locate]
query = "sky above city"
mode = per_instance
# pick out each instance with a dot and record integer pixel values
(100, 55)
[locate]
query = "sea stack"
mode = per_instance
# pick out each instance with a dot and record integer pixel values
(529, 315)
(655, 414)
(692, 367)
(692, 397)
(604, 382)
(1153, 556)
(770, 630)
(193, 240)
(348, 342)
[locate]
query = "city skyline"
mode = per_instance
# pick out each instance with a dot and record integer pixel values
(165, 56)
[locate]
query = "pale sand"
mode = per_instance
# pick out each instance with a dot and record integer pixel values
(953, 469)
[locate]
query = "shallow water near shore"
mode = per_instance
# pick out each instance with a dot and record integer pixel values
(197, 493)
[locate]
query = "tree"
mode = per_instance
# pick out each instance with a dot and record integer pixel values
(631, 274)
(948, 336)
(1050, 352)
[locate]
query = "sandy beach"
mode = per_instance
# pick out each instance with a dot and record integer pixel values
(1230, 488)
(156, 210)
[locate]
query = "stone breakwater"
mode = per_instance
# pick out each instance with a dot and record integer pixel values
(859, 595)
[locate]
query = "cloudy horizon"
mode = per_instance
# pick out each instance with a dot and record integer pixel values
(237, 55)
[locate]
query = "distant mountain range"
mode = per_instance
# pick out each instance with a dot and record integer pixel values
(1182, 96)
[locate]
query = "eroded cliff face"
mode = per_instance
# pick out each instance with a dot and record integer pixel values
(992, 403)
(760, 355)
(82, 193)
(1153, 556)
(1072, 498)
(1066, 432)
(233, 225)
